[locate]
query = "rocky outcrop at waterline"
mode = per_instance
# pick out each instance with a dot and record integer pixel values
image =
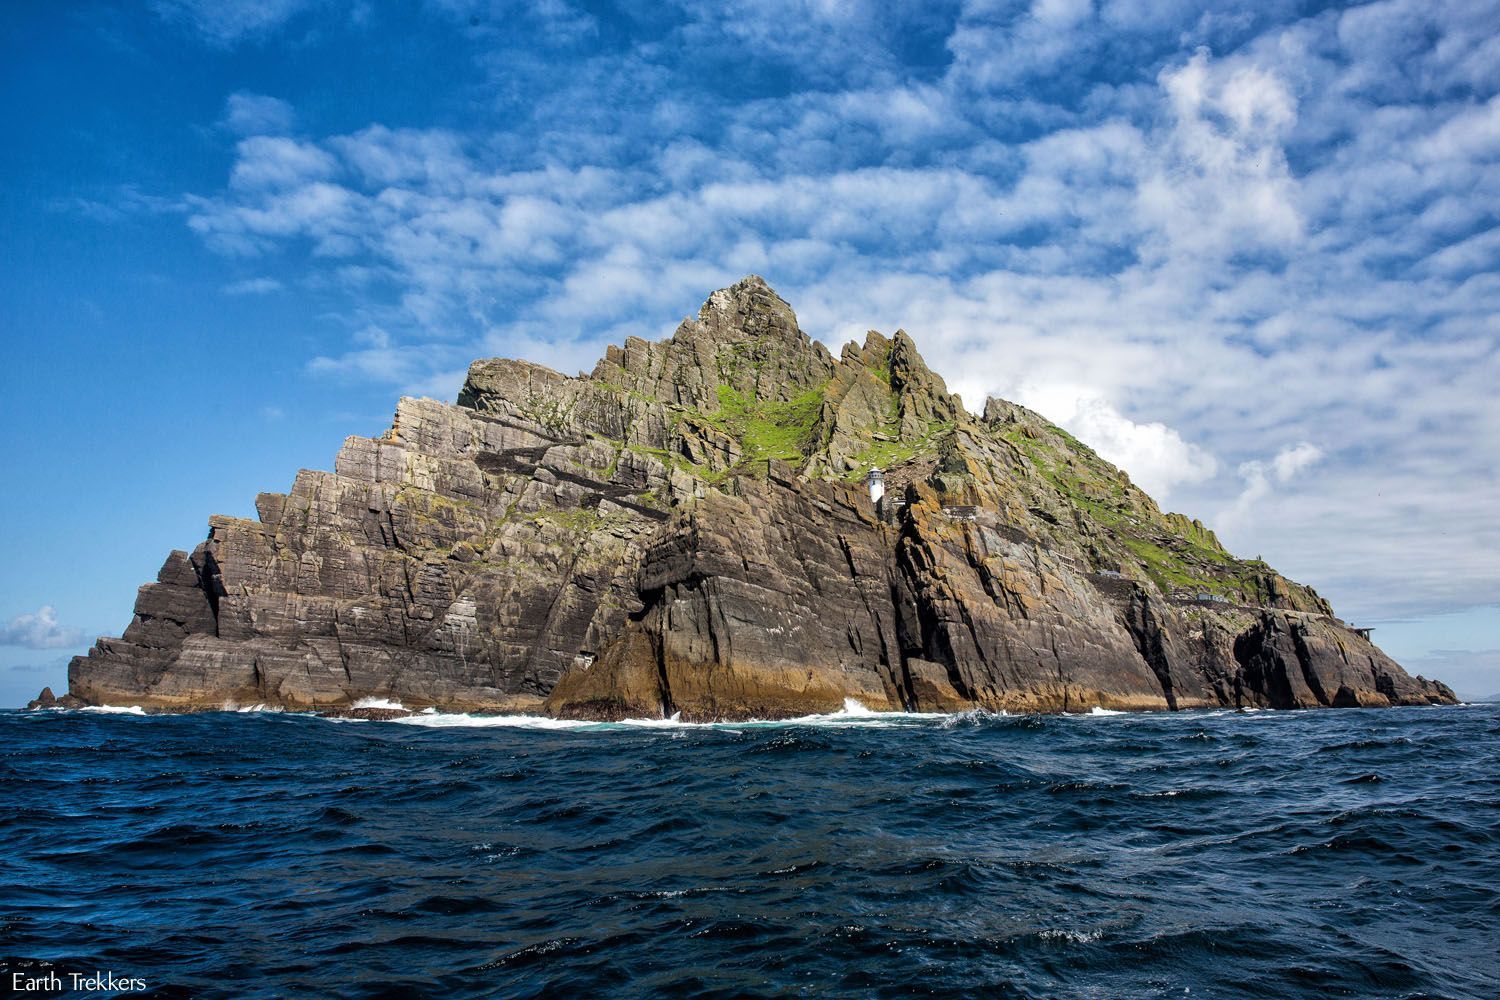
(687, 529)
(49, 700)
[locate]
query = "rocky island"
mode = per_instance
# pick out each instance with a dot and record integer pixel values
(695, 528)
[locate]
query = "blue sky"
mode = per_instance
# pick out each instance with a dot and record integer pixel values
(1247, 252)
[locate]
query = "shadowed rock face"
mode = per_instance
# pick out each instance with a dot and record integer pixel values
(687, 530)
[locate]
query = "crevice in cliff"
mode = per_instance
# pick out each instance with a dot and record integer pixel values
(1145, 629)
(344, 662)
(894, 660)
(1062, 678)
(1305, 664)
(664, 686)
(1263, 671)
(208, 580)
(931, 637)
(544, 629)
(1253, 672)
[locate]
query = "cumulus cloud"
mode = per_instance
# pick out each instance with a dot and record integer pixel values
(257, 114)
(276, 163)
(1261, 478)
(415, 369)
(1224, 186)
(1290, 461)
(39, 629)
(1156, 455)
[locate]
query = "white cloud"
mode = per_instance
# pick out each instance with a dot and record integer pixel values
(257, 114)
(1261, 478)
(414, 369)
(253, 286)
(1290, 461)
(1155, 455)
(276, 162)
(39, 629)
(1224, 186)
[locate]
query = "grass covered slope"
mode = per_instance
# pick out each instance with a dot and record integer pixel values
(781, 397)
(1122, 528)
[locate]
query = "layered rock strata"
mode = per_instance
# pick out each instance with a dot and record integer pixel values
(687, 530)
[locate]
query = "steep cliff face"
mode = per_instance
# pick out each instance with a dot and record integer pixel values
(687, 530)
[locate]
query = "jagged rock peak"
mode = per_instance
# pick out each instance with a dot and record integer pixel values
(745, 340)
(748, 308)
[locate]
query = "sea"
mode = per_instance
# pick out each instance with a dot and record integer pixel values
(859, 854)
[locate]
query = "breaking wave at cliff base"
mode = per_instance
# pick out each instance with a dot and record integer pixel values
(852, 714)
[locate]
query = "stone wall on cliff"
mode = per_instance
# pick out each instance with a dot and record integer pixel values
(685, 530)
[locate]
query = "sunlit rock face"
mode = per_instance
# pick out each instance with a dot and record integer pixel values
(688, 529)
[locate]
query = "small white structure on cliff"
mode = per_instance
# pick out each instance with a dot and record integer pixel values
(876, 479)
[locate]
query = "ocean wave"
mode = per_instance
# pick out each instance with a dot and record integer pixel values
(373, 702)
(849, 853)
(463, 720)
(854, 713)
(1069, 936)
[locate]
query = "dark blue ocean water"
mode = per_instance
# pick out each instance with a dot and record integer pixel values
(1336, 853)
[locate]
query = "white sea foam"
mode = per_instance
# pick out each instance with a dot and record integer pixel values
(671, 723)
(972, 717)
(463, 720)
(852, 714)
(378, 703)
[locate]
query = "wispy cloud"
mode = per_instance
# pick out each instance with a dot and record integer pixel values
(117, 204)
(49, 667)
(225, 22)
(252, 286)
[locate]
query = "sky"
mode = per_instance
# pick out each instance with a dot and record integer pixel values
(1246, 251)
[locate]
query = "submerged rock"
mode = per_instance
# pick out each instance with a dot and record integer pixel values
(369, 714)
(686, 529)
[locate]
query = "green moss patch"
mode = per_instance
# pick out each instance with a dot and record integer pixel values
(768, 428)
